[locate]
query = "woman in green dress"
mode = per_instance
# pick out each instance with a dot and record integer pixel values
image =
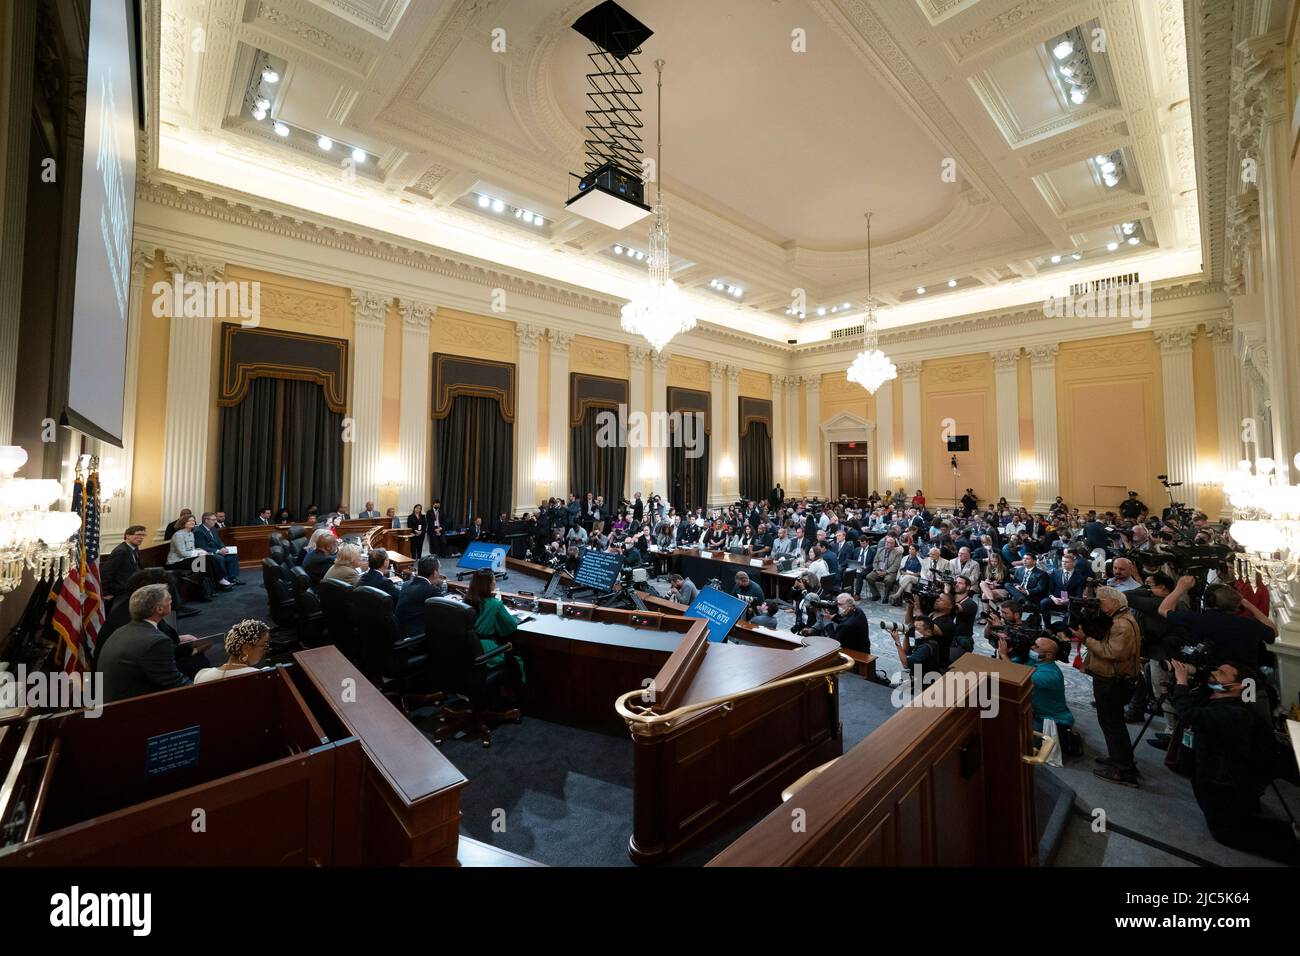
(493, 621)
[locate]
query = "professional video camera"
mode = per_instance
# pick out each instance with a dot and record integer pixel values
(1200, 656)
(822, 604)
(928, 591)
(1087, 614)
(1020, 638)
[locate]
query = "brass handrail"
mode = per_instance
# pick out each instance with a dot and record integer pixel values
(644, 718)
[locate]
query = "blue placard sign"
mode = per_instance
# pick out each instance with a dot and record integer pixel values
(482, 554)
(721, 611)
(173, 751)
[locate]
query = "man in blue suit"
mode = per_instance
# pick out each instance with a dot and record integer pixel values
(208, 538)
(410, 600)
(377, 575)
(1031, 583)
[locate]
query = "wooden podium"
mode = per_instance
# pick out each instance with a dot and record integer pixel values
(295, 766)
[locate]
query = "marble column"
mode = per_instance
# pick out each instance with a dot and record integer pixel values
(717, 430)
(659, 410)
(527, 382)
(778, 433)
(1006, 363)
(910, 374)
(637, 452)
(732, 485)
(816, 451)
(370, 313)
(189, 397)
(414, 417)
(1228, 391)
(1042, 363)
(1180, 410)
(884, 450)
(558, 417)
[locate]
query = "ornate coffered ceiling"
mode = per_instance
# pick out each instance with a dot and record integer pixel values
(946, 118)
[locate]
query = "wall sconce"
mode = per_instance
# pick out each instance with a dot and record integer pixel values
(897, 471)
(390, 479)
(1208, 476)
(649, 472)
(543, 473)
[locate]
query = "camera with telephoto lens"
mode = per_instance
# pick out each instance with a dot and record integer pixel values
(1198, 656)
(1020, 638)
(821, 604)
(928, 591)
(1087, 614)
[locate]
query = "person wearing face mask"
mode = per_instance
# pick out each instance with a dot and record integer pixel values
(1231, 743)
(1112, 663)
(1049, 684)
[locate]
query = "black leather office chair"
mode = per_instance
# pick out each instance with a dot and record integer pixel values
(276, 554)
(307, 609)
(297, 543)
(459, 668)
(336, 606)
(279, 541)
(282, 609)
(399, 666)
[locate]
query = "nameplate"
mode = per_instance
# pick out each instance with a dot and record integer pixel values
(706, 554)
(756, 562)
(174, 751)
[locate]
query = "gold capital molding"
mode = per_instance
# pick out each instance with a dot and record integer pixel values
(1042, 355)
(560, 341)
(717, 370)
(529, 335)
(1221, 330)
(637, 354)
(1006, 359)
(1177, 339)
(812, 383)
(194, 268)
(909, 371)
(659, 360)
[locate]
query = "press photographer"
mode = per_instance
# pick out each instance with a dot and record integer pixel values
(935, 607)
(1161, 640)
(1232, 746)
(1112, 663)
(1222, 627)
(843, 621)
(1049, 688)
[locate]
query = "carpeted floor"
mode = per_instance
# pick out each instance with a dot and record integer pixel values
(567, 799)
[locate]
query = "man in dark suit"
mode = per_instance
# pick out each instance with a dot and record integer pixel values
(207, 538)
(263, 516)
(377, 576)
(638, 507)
(1030, 583)
(410, 602)
(777, 498)
(369, 511)
(476, 530)
(123, 562)
(141, 659)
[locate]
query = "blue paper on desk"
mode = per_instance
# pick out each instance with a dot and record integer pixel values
(481, 554)
(721, 612)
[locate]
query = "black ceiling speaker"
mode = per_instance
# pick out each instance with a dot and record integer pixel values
(959, 443)
(611, 190)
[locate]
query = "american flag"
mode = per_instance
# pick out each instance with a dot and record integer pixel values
(79, 613)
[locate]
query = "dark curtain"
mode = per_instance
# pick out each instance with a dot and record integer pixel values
(249, 479)
(756, 462)
(313, 449)
(595, 469)
(688, 478)
(474, 451)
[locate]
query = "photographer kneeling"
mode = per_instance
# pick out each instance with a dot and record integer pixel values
(1049, 688)
(1231, 741)
(1112, 663)
(846, 624)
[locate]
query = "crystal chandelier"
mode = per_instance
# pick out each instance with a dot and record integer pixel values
(660, 309)
(27, 528)
(872, 368)
(1266, 521)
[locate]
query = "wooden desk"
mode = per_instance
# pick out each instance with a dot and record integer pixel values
(693, 564)
(254, 540)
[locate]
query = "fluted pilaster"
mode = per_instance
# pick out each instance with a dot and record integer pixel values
(659, 407)
(1006, 364)
(413, 421)
(910, 374)
(527, 382)
(557, 442)
(717, 430)
(816, 450)
(1228, 391)
(637, 452)
(789, 384)
(369, 313)
(884, 436)
(1180, 410)
(189, 396)
(1046, 457)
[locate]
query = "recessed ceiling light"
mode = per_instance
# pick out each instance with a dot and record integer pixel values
(538, 221)
(1078, 94)
(952, 283)
(920, 290)
(270, 76)
(1055, 259)
(1062, 49)
(1112, 246)
(845, 306)
(1065, 70)
(1111, 180)
(739, 292)
(358, 155)
(519, 213)
(262, 103)
(618, 250)
(528, 217)
(259, 114)
(1108, 166)
(1132, 240)
(1076, 256)
(498, 205)
(484, 202)
(821, 311)
(1129, 228)
(325, 143)
(281, 129)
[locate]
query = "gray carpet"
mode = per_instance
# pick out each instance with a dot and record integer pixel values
(566, 792)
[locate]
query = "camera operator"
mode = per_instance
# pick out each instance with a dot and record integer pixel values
(1161, 639)
(1112, 663)
(846, 624)
(747, 590)
(917, 645)
(807, 587)
(1228, 634)
(965, 610)
(1231, 744)
(764, 614)
(943, 623)
(1049, 683)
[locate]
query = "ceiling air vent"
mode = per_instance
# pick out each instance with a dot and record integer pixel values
(1101, 285)
(850, 332)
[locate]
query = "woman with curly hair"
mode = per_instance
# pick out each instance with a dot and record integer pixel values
(246, 643)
